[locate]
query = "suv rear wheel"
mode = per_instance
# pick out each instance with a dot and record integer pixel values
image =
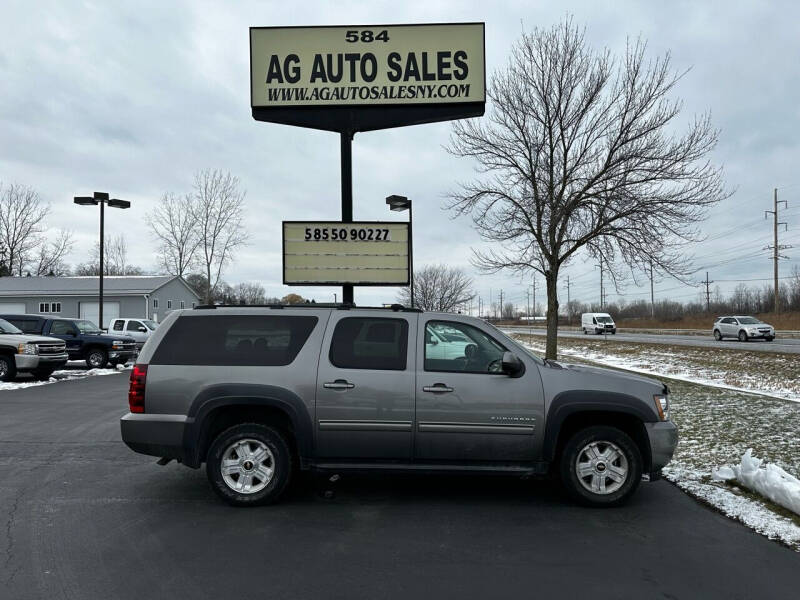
(601, 466)
(249, 464)
(717, 335)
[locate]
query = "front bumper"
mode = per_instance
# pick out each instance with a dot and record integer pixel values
(31, 362)
(663, 437)
(156, 435)
(121, 356)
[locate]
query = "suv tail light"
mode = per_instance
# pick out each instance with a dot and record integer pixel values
(136, 389)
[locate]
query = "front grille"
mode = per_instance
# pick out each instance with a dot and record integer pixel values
(50, 349)
(129, 346)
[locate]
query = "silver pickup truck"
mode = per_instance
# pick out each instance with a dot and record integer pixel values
(34, 354)
(254, 392)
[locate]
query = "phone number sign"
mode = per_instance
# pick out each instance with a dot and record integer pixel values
(336, 253)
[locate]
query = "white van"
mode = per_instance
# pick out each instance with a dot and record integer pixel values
(598, 323)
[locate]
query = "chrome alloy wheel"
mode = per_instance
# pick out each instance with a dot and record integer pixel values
(247, 466)
(601, 467)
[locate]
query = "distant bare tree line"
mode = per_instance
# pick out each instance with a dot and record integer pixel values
(745, 299)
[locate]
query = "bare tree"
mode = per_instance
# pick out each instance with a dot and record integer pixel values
(49, 256)
(219, 206)
(173, 223)
(250, 293)
(115, 259)
(439, 288)
(22, 215)
(580, 151)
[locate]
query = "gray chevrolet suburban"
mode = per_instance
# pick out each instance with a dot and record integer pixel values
(257, 392)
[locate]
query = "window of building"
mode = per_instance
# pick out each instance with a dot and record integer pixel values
(169, 304)
(193, 304)
(55, 307)
(183, 304)
(370, 343)
(235, 340)
(155, 302)
(44, 307)
(457, 347)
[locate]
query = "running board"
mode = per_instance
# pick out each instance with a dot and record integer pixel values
(527, 470)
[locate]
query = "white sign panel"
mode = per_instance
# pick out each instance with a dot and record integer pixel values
(336, 253)
(367, 65)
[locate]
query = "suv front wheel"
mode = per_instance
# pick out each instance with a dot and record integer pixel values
(601, 466)
(249, 464)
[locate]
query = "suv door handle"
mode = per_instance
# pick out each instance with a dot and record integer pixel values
(437, 388)
(339, 384)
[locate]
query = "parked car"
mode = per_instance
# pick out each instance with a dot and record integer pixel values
(138, 329)
(743, 328)
(84, 340)
(598, 323)
(34, 354)
(254, 392)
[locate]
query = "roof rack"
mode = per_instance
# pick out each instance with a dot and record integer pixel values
(337, 306)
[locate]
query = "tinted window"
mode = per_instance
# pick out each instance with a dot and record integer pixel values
(134, 326)
(452, 346)
(234, 340)
(61, 328)
(366, 343)
(26, 325)
(118, 325)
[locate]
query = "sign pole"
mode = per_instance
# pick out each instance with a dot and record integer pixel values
(347, 196)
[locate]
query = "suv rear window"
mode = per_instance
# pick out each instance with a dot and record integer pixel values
(370, 343)
(234, 340)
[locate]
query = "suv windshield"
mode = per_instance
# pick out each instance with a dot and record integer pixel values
(6, 327)
(87, 326)
(748, 321)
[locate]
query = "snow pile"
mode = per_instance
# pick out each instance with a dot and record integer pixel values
(771, 481)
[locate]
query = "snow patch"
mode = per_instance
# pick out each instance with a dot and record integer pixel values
(770, 481)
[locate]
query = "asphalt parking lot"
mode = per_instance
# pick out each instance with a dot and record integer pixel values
(85, 518)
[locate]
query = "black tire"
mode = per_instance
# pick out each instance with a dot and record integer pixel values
(96, 358)
(613, 332)
(769, 339)
(281, 461)
(8, 367)
(742, 336)
(717, 335)
(602, 434)
(42, 374)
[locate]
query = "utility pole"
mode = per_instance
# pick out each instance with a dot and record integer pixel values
(528, 304)
(480, 312)
(708, 293)
(533, 285)
(602, 293)
(776, 248)
(501, 304)
(569, 314)
(652, 294)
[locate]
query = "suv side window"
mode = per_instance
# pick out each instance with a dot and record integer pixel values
(118, 324)
(62, 328)
(134, 326)
(461, 348)
(370, 343)
(234, 340)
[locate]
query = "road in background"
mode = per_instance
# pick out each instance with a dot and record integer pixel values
(87, 518)
(787, 345)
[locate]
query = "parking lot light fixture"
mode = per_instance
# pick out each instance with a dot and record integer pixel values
(399, 204)
(101, 198)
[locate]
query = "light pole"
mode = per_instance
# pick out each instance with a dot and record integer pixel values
(399, 204)
(102, 199)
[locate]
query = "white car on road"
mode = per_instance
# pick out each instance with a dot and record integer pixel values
(743, 328)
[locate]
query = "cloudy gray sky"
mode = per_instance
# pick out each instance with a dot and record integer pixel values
(134, 97)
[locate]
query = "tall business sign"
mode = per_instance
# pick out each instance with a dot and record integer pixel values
(361, 78)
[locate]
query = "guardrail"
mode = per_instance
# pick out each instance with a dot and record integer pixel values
(642, 330)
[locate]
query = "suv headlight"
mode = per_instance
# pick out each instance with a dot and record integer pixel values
(662, 406)
(28, 348)
(117, 345)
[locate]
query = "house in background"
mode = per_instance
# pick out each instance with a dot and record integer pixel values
(142, 297)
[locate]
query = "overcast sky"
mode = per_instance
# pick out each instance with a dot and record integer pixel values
(134, 97)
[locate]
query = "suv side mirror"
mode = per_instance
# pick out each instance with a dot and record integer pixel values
(512, 365)
(143, 329)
